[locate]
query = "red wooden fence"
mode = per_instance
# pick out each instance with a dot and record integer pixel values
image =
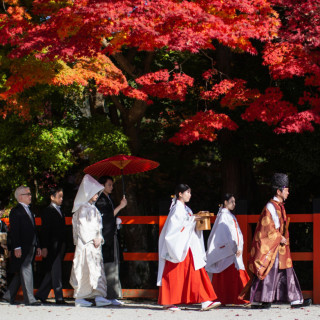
(244, 222)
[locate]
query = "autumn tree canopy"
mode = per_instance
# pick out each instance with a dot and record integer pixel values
(95, 41)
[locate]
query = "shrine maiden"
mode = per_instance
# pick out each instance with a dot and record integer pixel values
(224, 255)
(181, 274)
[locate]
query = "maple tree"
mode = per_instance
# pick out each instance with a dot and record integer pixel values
(117, 48)
(66, 41)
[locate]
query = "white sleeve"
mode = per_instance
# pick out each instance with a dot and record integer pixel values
(221, 242)
(178, 233)
(274, 215)
(83, 226)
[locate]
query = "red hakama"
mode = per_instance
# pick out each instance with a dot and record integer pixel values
(229, 283)
(182, 284)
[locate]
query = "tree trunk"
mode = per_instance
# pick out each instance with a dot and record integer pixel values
(237, 171)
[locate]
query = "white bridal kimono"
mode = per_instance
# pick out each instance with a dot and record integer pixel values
(224, 241)
(177, 236)
(87, 275)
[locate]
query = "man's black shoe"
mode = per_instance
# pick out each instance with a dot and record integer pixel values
(35, 303)
(264, 305)
(61, 302)
(44, 301)
(306, 303)
(12, 302)
(4, 300)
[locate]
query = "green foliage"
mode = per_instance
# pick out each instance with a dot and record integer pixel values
(56, 140)
(30, 153)
(99, 139)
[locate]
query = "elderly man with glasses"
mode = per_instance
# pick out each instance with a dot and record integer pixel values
(24, 245)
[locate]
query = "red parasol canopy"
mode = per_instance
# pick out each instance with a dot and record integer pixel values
(120, 165)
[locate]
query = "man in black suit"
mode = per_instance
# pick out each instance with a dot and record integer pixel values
(24, 244)
(53, 245)
(110, 248)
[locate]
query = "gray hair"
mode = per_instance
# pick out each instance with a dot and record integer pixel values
(20, 191)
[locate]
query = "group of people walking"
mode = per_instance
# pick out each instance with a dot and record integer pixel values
(187, 273)
(94, 229)
(185, 268)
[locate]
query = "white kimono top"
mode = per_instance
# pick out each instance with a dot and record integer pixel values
(224, 241)
(273, 212)
(87, 275)
(177, 236)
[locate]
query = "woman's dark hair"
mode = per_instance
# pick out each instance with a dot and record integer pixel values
(181, 188)
(104, 179)
(226, 197)
(54, 190)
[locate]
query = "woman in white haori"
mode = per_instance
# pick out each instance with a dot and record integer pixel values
(224, 255)
(181, 274)
(87, 275)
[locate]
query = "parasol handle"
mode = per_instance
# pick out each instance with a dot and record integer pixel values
(123, 188)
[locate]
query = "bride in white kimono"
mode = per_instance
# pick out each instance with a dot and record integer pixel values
(224, 255)
(87, 275)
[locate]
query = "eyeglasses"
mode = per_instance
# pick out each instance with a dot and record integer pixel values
(26, 194)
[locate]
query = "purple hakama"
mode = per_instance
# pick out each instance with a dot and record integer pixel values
(280, 285)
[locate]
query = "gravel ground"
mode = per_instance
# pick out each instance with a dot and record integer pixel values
(149, 309)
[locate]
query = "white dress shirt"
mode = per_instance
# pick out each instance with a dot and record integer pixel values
(273, 212)
(58, 208)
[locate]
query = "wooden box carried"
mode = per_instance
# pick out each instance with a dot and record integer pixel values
(204, 223)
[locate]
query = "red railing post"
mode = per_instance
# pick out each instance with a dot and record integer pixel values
(162, 220)
(243, 224)
(316, 258)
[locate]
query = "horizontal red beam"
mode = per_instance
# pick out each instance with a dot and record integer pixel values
(306, 217)
(140, 219)
(153, 256)
(125, 220)
(128, 256)
(140, 256)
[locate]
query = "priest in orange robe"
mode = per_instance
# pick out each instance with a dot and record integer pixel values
(274, 277)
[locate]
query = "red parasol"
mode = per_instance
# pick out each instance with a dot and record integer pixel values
(120, 165)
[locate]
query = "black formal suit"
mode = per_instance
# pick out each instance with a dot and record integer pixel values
(23, 234)
(109, 227)
(53, 238)
(110, 248)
